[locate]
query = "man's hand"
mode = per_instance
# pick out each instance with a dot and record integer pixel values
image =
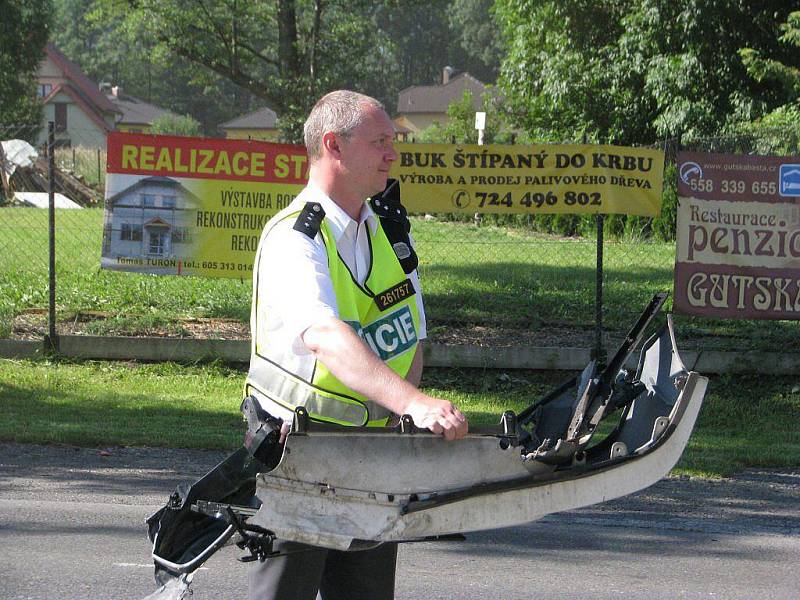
(440, 416)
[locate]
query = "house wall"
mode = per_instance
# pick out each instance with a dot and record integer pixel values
(50, 73)
(264, 135)
(81, 130)
(129, 209)
(419, 121)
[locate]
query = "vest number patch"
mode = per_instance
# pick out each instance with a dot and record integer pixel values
(390, 335)
(398, 293)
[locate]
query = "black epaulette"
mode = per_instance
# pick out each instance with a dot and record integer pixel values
(395, 223)
(310, 219)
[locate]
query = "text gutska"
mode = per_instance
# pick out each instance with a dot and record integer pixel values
(738, 237)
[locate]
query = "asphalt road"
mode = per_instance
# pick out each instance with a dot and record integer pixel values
(71, 527)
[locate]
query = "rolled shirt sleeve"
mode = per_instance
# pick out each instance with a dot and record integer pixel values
(294, 285)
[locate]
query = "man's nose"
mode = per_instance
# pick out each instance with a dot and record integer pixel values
(390, 155)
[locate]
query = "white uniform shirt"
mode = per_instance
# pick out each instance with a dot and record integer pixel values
(295, 287)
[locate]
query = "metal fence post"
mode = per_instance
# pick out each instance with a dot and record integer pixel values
(598, 327)
(51, 340)
(598, 352)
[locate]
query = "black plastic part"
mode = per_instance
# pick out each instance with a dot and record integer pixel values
(395, 224)
(263, 433)
(301, 420)
(180, 534)
(407, 425)
(257, 540)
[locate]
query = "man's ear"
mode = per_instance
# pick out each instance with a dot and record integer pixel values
(331, 144)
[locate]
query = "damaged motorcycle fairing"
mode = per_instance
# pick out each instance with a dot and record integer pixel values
(350, 487)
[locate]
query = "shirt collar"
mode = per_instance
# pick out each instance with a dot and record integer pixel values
(338, 219)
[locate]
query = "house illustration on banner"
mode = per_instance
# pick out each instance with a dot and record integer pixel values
(150, 219)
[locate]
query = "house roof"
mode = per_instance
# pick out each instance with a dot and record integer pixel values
(136, 111)
(85, 86)
(155, 180)
(80, 100)
(436, 98)
(263, 118)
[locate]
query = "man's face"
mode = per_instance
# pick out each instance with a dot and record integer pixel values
(368, 154)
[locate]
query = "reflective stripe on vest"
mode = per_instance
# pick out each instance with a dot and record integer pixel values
(391, 334)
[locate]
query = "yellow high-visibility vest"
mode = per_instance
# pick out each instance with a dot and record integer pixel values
(383, 312)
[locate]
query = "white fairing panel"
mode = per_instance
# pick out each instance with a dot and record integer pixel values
(340, 490)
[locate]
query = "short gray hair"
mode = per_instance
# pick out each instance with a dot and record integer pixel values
(339, 112)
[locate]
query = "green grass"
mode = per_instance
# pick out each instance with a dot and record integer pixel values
(471, 275)
(99, 404)
(745, 421)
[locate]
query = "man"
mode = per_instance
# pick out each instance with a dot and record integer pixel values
(324, 335)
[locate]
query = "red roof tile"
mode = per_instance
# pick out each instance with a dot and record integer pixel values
(78, 78)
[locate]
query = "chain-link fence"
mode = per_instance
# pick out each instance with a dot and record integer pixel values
(488, 280)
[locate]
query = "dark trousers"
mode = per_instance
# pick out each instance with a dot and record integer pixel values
(336, 575)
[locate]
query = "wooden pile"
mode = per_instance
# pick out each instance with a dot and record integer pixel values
(34, 179)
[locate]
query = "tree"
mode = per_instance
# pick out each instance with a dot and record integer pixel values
(786, 74)
(23, 34)
(777, 132)
(635, 71)
(112, 45)
(475, 34)
(285, 52)
(175, 125)
(460, 125)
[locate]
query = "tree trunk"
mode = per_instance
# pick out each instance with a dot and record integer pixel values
(289, 63)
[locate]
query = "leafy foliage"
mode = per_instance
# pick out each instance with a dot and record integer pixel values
(176, 125)
(777, 132)
(112, 44)
(23, 33)
(280, 53)
(460, 126)
(635, 71)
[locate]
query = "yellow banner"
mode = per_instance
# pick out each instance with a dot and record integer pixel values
(193, 206)
(529, 179)
(197, 206)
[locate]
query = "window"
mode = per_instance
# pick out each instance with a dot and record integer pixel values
(168, 201)
(130, 233)
(44, 90)
(157, 242)
(61, 115)
(181, 235)
(148, 199)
